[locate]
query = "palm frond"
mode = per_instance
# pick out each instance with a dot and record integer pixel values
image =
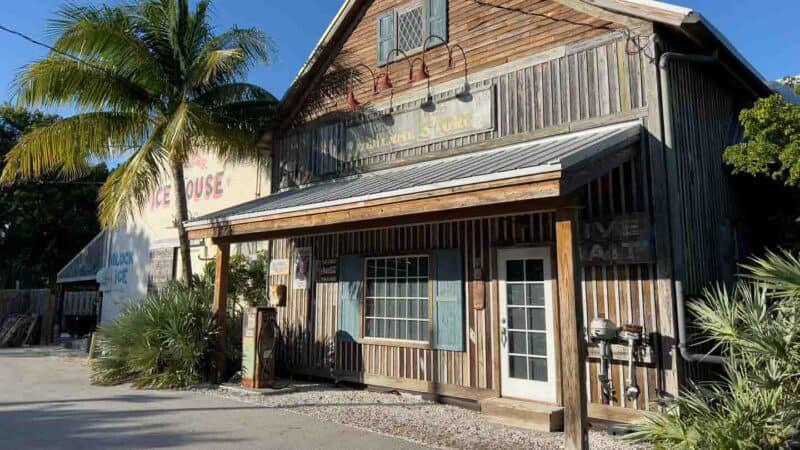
(129, 186)
(68, 145)
(107, 35)
(59, 81)
(778, 271)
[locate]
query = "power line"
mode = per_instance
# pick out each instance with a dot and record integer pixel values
(49, 47)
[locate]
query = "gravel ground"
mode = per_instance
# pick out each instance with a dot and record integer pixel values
(409, 417)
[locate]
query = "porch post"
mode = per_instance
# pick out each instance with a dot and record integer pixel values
(573, 346)
(220, 307)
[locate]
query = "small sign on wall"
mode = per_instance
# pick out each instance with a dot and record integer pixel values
(623, 239)
(302, 268)
(328, 270)
(279, 267)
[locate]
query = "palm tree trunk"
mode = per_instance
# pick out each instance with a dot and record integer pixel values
(181, 215)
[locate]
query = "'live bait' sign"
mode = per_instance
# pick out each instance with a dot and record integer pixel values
(622, 240)
(449, 118)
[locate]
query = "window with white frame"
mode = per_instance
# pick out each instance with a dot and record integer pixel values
(410, 27)
(407, 27)
(397, 298)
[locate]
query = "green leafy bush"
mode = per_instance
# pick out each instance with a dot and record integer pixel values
(162, 342)
(756, 327)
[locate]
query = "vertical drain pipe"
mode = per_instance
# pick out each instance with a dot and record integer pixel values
(669, 142)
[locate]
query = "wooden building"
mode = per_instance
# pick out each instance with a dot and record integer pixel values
(462, 186)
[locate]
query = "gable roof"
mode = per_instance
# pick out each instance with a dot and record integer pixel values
(685, 20)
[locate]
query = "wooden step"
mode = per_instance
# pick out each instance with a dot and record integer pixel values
(524, 414)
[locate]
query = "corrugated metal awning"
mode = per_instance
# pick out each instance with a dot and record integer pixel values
(540, 156)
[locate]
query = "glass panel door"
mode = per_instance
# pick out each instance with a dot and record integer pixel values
(526, 324)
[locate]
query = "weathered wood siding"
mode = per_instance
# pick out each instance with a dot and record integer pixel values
(623, 293)
(491, 34)
(311, 316)
(582, 82)
(704, 114)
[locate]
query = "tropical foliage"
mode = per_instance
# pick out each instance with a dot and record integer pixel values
(43, 223)
(756, 326)
(162, 342)
(152, 84)
(166, 340)
(247, 278)
(772, 139)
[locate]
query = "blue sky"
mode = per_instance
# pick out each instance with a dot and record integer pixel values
(764, 31)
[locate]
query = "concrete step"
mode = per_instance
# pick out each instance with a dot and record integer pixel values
(524, 414)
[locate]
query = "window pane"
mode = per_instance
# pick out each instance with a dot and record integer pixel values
(370, 312)
(535, 295)
(413, 331)
(516, 294)
(370, 327)
(410, 29)
(515, 271)
(413, 266)
(537, 344)
(518, 366)
(517, 342)
(402, 308)
(538, 369)
(380, 268)
(536, 319)
(380, 307)
(534, 270)
(516, 318)
(402, 327)
(396, 302)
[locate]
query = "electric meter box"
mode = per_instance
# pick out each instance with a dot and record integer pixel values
(258, 347)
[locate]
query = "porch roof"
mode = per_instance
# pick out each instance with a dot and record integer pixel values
(522, 161)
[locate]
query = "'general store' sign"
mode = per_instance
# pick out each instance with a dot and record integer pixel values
(450, 118)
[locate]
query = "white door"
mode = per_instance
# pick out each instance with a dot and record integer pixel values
(527, 346)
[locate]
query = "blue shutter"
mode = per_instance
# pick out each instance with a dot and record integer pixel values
(386, 36)
(349, 298)
(437, 21)
(448, 300)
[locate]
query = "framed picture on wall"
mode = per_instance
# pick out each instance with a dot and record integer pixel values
(302, 268)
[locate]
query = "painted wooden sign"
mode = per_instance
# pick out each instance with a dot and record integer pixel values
(328, 270)
(625, 239)
(449, 118)
(161, 269)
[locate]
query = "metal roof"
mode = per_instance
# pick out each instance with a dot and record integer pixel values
(538, 156)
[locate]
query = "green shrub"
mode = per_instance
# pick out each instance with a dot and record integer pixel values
(756, 327)
(162, 342)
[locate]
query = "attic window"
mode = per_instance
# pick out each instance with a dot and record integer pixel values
(410, 30)
(408, 26)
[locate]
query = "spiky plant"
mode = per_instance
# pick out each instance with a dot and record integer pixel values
(149, 79)
(756, 326)
(162, 342)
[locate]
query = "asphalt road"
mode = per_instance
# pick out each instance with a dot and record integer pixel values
(46, 401)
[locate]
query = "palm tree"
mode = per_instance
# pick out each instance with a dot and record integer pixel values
(149, 80)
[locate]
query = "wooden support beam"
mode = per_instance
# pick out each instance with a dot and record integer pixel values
(573, 368)
(220, 307)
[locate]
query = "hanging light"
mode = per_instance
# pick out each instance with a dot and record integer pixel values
(464, 94)
(384, 82)
(352, 102)
(422, 69)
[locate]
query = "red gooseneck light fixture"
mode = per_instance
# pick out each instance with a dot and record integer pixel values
(352, 102)
(385, 82)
